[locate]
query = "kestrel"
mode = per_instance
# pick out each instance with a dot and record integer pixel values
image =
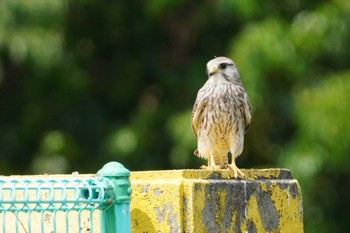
(221, 116)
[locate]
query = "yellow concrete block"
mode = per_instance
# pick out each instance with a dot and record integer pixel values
(268, 200)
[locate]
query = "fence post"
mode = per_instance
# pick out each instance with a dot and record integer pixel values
(117, 218)
(177, 201)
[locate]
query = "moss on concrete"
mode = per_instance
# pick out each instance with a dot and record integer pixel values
(268, 200)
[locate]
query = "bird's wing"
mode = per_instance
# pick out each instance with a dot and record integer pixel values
(197, 111)
(247, 112)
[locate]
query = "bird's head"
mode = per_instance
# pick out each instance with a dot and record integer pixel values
(222, 67)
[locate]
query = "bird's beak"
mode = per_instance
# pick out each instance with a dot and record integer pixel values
(212, 70)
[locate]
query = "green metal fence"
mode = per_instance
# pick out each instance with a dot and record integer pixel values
(67, 204)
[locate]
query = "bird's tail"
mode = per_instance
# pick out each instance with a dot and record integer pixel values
(221, 160)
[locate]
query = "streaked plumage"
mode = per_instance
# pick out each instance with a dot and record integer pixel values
(221, 115)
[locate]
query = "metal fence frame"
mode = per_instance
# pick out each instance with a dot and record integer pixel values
(107, 192)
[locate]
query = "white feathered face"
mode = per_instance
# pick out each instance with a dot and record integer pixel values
(222, 67)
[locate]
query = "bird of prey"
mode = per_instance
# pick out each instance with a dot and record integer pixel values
(221, 116)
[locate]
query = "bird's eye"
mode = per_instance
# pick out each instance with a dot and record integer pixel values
(223, 65)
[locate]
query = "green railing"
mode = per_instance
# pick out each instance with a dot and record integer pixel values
(75, 203)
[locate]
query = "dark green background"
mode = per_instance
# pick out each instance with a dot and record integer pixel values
(87, 82)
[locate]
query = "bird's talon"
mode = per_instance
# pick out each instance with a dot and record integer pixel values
(215, 167)
(236, 172)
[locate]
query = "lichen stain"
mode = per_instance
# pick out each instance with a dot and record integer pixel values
(223, 203)
(250, 206)
(157, 191)
(145, 188)
(289, 207)
(267, 211)
(251, 227)
(166, 212)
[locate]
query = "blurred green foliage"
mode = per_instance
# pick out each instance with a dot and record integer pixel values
(85, 82)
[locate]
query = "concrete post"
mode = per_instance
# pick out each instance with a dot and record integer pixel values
(174, 201)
